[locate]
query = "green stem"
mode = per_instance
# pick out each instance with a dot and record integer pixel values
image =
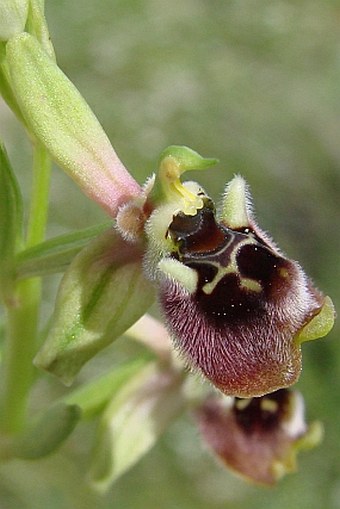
(40, 194)
(23, 312)
(20, 349)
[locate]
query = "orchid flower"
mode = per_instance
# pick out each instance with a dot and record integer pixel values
(258, 438)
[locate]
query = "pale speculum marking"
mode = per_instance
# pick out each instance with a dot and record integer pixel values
(217, 260)
(235, 269)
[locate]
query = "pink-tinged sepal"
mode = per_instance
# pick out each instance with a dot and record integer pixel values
(59, 117)
(258, 438)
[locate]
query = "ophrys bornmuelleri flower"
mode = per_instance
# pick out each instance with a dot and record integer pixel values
(236, 307)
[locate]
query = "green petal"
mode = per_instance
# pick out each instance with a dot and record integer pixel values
(133, 422)
(235, 205)
(101, 295)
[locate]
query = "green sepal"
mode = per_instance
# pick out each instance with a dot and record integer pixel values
(13, 15)
(11, 219)
(320, 325)
(47, 433)
(93, 396)
(101, 295)
(55, 255)
(134, 420)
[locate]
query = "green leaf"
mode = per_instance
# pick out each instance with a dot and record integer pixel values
(134, 420)
(101, 295)
(47, 433)
(13, 15)
(93, 396)
(55, 255)
(11, 217)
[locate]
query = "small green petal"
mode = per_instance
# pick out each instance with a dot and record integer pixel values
(235, 208)
(186, 159)
(320, 325)
(101, 295)
(13, 15)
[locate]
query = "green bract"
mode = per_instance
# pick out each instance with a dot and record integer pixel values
(102, 294)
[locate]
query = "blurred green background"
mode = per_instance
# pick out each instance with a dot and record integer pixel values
(256, 84)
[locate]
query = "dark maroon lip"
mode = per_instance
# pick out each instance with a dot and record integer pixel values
(239, 322)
